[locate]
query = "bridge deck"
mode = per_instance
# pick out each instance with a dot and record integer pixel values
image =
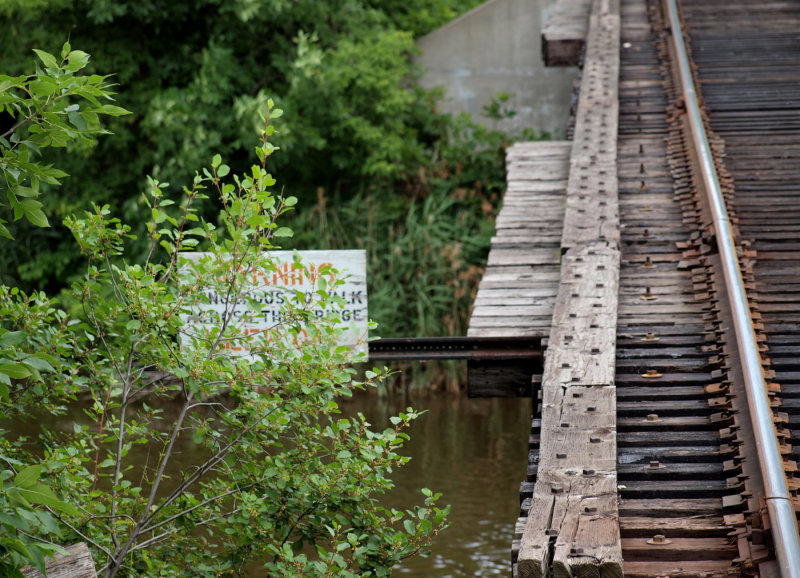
(553, 271)
(518, 290)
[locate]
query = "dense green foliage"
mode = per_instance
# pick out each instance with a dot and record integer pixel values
(362, 139)
(275, 480)
(54, 107)
(195, 74)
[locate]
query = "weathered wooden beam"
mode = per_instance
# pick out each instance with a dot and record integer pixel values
(564, 34)
(573, 524)
(77, 563)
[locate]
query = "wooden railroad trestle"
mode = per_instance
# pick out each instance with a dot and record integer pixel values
(641, 460)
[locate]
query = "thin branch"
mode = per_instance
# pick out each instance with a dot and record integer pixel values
(193, 508)
(202, 470)
(97, 545)
(164, 535)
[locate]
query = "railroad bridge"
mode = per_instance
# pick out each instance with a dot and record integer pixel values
(656, 255)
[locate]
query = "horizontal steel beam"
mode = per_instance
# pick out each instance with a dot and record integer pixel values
(465, 348)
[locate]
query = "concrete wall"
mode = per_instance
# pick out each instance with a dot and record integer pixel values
(497, 48)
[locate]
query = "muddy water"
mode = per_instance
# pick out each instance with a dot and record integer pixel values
(474, 451)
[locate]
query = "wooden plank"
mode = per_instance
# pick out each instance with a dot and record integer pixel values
(535, 541)
(705, 568)
(525, 256)
(487, 310)
(503, 332)
(678, 549)
(517, 292)
(646, 527)
(658, 508)
(77, 563)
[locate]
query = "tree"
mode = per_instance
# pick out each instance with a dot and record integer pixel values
(281, 479)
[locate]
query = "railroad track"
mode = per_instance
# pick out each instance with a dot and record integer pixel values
(693, 496)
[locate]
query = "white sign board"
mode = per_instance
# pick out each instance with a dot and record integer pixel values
(274, 288)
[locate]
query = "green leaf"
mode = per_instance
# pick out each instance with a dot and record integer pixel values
(47, 59)
(15, 522)
(28, 477)
(38, 363)
(111, 110)
(216, 161)
(37, 217)
(17, 546)
(41, 494)
(77, 120)
(77, 59)
(282, 232)
(12, 338)
(16, 498)
(37, 559)
(15, 370)
(410, 527)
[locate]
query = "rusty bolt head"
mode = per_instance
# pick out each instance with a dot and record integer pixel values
(651, 374)
(660, 540)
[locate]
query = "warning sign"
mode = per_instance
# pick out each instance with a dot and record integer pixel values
(262, 306)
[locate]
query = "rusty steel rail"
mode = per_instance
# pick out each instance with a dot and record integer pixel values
(779, 506)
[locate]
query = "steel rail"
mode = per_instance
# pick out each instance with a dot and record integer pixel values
(781, 513)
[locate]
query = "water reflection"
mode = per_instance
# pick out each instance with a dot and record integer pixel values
(474, 451)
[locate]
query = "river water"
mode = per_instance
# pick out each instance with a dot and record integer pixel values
(473, 451)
